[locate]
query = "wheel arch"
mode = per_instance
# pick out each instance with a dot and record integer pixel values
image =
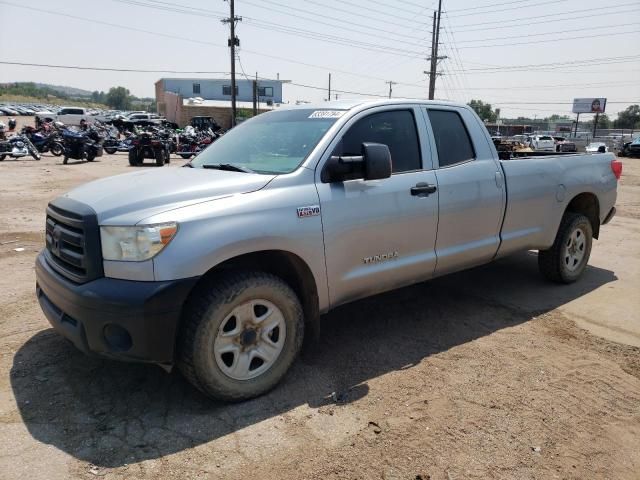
(284, 264)
(588, 205)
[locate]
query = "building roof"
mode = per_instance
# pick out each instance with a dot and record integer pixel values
(188, 102)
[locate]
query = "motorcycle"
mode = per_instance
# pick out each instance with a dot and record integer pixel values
(18, 146)
(112, 141)
(45, 142)
(82, 144)
(191, 142)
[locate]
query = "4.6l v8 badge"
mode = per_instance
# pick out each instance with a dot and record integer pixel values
(309, 211)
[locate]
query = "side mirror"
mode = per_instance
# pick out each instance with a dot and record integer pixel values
(373, 164)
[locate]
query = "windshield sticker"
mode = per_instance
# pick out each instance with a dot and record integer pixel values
(327, 114)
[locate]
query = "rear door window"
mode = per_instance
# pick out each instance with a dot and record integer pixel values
(452, 138)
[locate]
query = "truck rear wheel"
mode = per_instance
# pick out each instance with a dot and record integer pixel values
(240, 335)
(567, 258)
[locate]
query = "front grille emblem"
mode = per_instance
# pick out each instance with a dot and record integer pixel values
(55, 240)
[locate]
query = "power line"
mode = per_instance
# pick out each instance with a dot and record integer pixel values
(200, 42)
(615, 25)
(561, 64)
(557, 17)
(368, 9)
(497, 69)
(510, 8)
(552, 40)
(315, 20)
(488, 6)
(386, 4)
(272, 26)
(108, 69)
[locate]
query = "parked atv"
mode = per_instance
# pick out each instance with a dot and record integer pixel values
(149, 144)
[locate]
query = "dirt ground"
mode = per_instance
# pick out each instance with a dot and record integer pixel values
(490, 373)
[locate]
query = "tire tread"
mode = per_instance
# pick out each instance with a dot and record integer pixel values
(213, 294)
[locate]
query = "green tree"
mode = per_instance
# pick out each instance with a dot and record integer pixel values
(484, 110)
(603, 121)
(98, 97)
(629, 118)
(118, 98)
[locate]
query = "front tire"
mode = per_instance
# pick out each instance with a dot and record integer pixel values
(110, 150)
(240, 334)
(567, 258)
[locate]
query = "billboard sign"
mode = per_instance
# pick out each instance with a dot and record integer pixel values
(589, 105)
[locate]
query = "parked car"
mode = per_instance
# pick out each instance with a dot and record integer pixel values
(631, 149)
(4, 110)
(542, 143)
(597, 147)
(564, 145)
(223, 267)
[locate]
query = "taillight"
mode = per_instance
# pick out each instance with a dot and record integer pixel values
(616, 168)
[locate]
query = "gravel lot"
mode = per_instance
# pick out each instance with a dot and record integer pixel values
(489, 373)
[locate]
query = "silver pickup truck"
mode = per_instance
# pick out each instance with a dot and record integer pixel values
(221, 267)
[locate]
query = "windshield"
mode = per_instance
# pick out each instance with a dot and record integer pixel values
(271, 143)
(636, 141)
(546, 138)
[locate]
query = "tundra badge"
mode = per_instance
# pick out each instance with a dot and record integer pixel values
(381, 258)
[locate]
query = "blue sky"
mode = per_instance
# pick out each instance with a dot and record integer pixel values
(553, 51)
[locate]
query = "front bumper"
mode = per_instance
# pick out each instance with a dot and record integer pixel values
(120, 319)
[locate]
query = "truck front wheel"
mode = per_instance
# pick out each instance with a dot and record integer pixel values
(567, 258)
(240, 334)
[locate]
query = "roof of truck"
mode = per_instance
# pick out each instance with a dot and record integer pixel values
(348, 104)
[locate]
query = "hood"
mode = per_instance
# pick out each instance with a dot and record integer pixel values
(127, 199)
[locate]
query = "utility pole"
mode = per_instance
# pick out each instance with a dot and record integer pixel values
(255, 96)
(595, 124)
(329, 96)
(435, 39)
(391, 83)
(233, 43)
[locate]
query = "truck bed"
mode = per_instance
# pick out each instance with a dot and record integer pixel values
(539, 188)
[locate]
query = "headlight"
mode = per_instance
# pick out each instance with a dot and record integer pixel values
(137, 243)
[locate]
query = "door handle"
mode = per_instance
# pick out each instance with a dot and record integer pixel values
(423, 189)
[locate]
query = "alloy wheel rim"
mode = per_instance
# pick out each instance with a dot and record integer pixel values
(250, 339)
(574, 250)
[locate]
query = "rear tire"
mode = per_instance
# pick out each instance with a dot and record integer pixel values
(65, 160)
(110, 150)
(159, 156)
(186, 156)
(133, 158)
(223, 317)
(57, 149)
(567, 258)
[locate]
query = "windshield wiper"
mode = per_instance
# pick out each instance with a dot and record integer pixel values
(231, 167)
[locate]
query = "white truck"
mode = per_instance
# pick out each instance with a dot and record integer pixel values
(73, 115)
(223, 266)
